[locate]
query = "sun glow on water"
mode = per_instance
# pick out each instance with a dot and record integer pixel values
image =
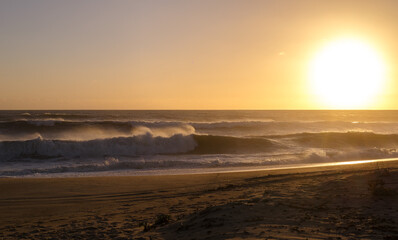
(347, 74)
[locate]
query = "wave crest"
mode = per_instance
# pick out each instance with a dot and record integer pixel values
(343, 139)
(145, 144)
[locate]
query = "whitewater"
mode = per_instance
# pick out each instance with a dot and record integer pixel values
(103, 143)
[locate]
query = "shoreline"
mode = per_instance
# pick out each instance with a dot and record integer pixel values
(110, 206)
(196, 171)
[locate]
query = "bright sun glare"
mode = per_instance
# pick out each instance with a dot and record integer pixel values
(347, 74)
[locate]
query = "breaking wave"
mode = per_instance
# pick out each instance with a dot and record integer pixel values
(88, 130)
(145, 144)
(56, 126)
(146, 141)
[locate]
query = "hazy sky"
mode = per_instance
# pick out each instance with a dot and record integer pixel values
(162, 54)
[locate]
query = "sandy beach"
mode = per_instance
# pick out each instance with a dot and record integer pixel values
(335, 202)
(191, 120)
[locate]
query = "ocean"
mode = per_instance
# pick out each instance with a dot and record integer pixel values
(108, 143)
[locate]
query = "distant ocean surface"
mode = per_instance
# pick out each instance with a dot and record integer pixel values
(102, 143)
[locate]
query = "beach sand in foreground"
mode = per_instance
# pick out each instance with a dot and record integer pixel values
(346, 201)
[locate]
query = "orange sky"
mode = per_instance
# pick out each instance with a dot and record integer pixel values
(180, 54)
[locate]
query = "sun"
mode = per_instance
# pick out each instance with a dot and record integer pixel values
(347, 74)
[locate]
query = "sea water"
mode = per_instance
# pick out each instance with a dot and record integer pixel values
(103, 143)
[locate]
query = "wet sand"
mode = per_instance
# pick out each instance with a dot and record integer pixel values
(335, 202)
